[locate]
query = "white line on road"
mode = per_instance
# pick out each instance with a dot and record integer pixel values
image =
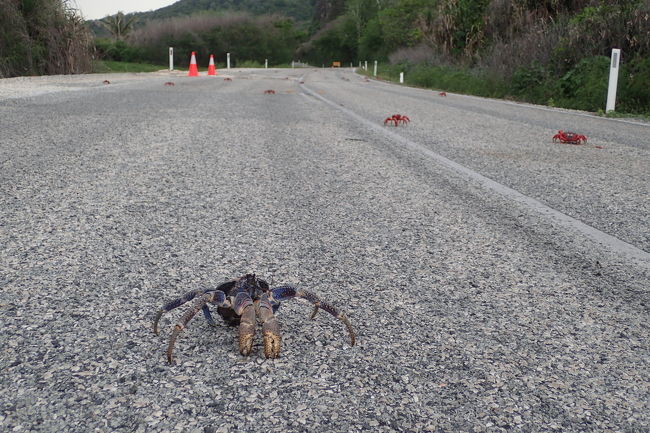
(613, 244)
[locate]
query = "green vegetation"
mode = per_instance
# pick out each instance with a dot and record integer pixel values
(119, 25)
(299, 10)
(105, 66)
(42, 37)
(245, 37)
(552, 52)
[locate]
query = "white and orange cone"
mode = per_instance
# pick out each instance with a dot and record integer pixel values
(194, 70)
(212, 70)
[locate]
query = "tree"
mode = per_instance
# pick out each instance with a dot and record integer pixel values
(119, 25)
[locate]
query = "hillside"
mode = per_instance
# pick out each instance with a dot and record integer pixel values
(299, 10)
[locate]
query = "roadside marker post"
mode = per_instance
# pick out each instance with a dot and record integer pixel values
(227, 60)
(613, 80)
(266, 63)
(365, 65)
(374, 73)
(171, 59)
(401, 77)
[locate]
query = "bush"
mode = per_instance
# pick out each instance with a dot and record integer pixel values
(585, 86)
(245, 37)
(119, 51)
(634, 87)
(42, 37)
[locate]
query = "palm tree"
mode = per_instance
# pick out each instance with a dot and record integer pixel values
(119, 25)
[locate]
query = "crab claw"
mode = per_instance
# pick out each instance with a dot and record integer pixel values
(270, 328)
(247, 330)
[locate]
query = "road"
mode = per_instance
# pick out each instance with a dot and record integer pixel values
(497, 281)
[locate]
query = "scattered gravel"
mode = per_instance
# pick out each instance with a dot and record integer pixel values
(472, 314)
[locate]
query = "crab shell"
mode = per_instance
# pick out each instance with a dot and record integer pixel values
(569, 137)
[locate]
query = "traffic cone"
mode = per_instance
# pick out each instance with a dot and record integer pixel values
(194, 70)
(212, 70)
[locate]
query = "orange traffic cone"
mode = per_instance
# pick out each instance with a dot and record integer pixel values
(194, 70)
(212, 70)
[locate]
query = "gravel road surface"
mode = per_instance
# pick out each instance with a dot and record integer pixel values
(497, 281)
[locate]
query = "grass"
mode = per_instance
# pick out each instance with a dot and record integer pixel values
(108, 66)
(470, 83)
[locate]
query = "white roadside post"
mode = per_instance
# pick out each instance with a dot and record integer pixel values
(227, 60)
(374, 73)
(171, 58)
(292, 64)
(266, 63)
(365, 65)
(613, 80)
(401, 77)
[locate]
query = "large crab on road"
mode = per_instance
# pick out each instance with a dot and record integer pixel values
(240, 302)
(569, 137)
(397, 119)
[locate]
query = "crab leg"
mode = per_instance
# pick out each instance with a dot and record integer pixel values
(282, 293)
(217, 297)
(243, 306)
(270, 327)
(188, 297)
(175, 304)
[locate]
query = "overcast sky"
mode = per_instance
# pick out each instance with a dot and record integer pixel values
(94, 9)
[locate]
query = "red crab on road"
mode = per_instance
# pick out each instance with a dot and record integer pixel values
(169, 83)
(106, 82)
(569, 137)
(397, 119)
(442, 94)
(269, 92)
(227, 79)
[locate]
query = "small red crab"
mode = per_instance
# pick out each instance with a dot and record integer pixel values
(227, 79)
(106, 82)
(169, 83)
(397, 119)
(569, 137)
(269, 92)
(245, 301)
(442, 94)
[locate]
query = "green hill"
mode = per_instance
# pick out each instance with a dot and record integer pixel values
(299, 10)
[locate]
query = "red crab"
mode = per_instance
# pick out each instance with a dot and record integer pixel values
(227, 79)
(269, 92)
(442, 94)
(397, 119)
(106, 82)
(169, 83)
(569, 137)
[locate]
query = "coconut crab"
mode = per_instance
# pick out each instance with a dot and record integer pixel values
(569, 137)
(240, 302)
(397, 119)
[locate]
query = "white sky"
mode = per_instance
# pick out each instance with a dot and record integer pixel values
(95, 9)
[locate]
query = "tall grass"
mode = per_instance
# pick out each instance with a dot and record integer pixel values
(42, 37)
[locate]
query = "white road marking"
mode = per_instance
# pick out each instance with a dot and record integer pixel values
(609, 242)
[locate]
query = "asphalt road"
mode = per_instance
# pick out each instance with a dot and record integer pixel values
(497, 281)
